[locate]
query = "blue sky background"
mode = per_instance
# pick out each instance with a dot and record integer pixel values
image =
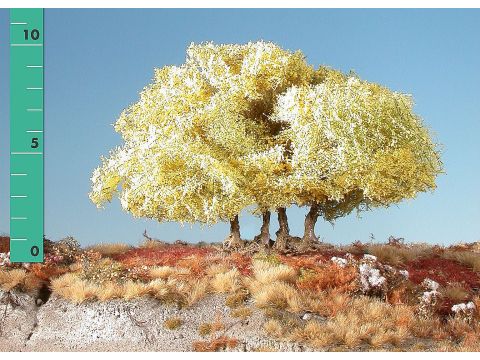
(98, 60)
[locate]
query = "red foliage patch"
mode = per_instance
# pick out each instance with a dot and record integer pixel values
(168, 255)
(242, 262)
(310, 260)
(329, 277)
(443, 271)
(4, 244)
(47, 272)
(444, 307)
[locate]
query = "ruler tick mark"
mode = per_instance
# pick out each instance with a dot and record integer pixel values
(18, 23)
(26, 153)
(26, 44)
(18, 174)
(34, 110)
(18, 196)
(18, 218)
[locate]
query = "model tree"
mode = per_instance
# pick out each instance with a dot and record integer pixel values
(255, 127)
(353, 145)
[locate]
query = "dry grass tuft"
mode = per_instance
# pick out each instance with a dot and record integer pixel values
(133, 289)
(12, 279)
(274, 328)
(327, 303)
(371, 320)
(110, 249)
(456, 292)
(205, 329)
(198, 290)
(173, 323)
(268, 272)
(315, 334)
(237, 298)
(109, 291)
(278, 294)
(151, 244)
(164, 272)
(428, 328)
(226, 282)
(217, 268)
(365, 320)
(264, 349)
(32, 283)
(467, 258)
(211, 328)
(71, 287)
(398, 255)
(242, 313)
(217, 344)
(172, 291)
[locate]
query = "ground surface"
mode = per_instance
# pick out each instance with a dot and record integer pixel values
(177, 297)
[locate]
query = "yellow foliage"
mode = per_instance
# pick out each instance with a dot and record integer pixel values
(354, 143)
(255, 126)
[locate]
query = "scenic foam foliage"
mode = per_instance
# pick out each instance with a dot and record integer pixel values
(256, 127)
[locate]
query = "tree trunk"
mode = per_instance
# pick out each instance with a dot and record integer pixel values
(310, 221)
(235, 229)
(233, 240)
(283, 232)
(264, 236)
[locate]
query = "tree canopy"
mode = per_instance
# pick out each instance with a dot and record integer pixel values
(256, 127)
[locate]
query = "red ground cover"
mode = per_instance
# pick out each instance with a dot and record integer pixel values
(4, 244)
(242, 262)
(443, 271)
(168, 255)
(311, 259)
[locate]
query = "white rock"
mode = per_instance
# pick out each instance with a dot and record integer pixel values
(462, 307)
(307, 316)
(370, 257)
(339, 261)
(370, 277)
(430, 284)
(429, 296)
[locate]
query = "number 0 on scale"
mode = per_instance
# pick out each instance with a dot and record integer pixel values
(26, 135)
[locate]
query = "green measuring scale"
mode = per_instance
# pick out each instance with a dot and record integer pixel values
(26, 135)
